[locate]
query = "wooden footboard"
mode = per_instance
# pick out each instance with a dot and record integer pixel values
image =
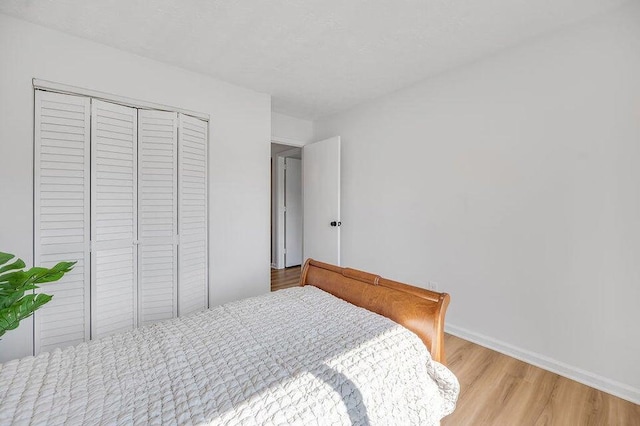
(419, 310)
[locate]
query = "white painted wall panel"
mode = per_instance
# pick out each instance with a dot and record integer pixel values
(291, 130)
(514, 184)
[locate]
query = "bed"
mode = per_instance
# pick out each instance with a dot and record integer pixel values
(345, 347)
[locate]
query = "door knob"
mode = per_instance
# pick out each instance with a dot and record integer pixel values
(334, 223)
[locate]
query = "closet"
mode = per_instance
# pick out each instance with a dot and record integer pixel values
(123, 191)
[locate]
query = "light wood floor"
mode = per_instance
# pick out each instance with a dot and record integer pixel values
(499, 390)
(496, 389)
(285, 278)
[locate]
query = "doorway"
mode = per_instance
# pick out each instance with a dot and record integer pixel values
(286, 206)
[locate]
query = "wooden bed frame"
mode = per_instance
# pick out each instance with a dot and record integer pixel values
(421, 311)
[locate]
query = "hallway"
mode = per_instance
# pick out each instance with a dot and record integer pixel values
(285, 278)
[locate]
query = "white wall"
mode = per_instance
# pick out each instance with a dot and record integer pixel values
(513, 183)
(290, 130)
(240, 133)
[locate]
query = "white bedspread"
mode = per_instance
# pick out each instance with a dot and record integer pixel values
(296, 356)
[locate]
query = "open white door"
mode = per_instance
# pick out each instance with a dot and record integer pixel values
(321, 200)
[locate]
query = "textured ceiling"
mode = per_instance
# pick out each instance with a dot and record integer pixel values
(315, 57)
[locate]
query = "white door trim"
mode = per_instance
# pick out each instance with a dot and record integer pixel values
(278, 230)
(288, 141)
(52, 86)
(278, 198)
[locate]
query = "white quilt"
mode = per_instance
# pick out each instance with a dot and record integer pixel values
(296, 356)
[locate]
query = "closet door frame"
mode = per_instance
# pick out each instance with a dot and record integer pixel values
(45, 87)
(66, 89)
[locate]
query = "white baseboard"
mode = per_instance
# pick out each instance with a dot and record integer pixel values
(273, 266)
(585, 377)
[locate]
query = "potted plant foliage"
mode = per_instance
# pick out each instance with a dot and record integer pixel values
(17, 300)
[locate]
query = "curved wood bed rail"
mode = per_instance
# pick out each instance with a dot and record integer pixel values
(419, 310)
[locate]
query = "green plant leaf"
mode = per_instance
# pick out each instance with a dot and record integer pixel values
(31, 275)
(23, 308)
(18, 264)
(6, 289)
(10, 298)
(64, 266)
(15, 303)
(44, 275)
(5, 257)
(13, 278)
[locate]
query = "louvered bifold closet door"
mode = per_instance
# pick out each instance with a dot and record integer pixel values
(157, 215)
(114, 213)
(61, 215)
(192, 215)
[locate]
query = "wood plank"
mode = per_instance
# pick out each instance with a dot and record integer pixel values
(285, 278)
(499, 390)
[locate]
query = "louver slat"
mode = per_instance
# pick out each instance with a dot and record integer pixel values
(192, 215)
(61, 216)
(114, 218)
(157, 214)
